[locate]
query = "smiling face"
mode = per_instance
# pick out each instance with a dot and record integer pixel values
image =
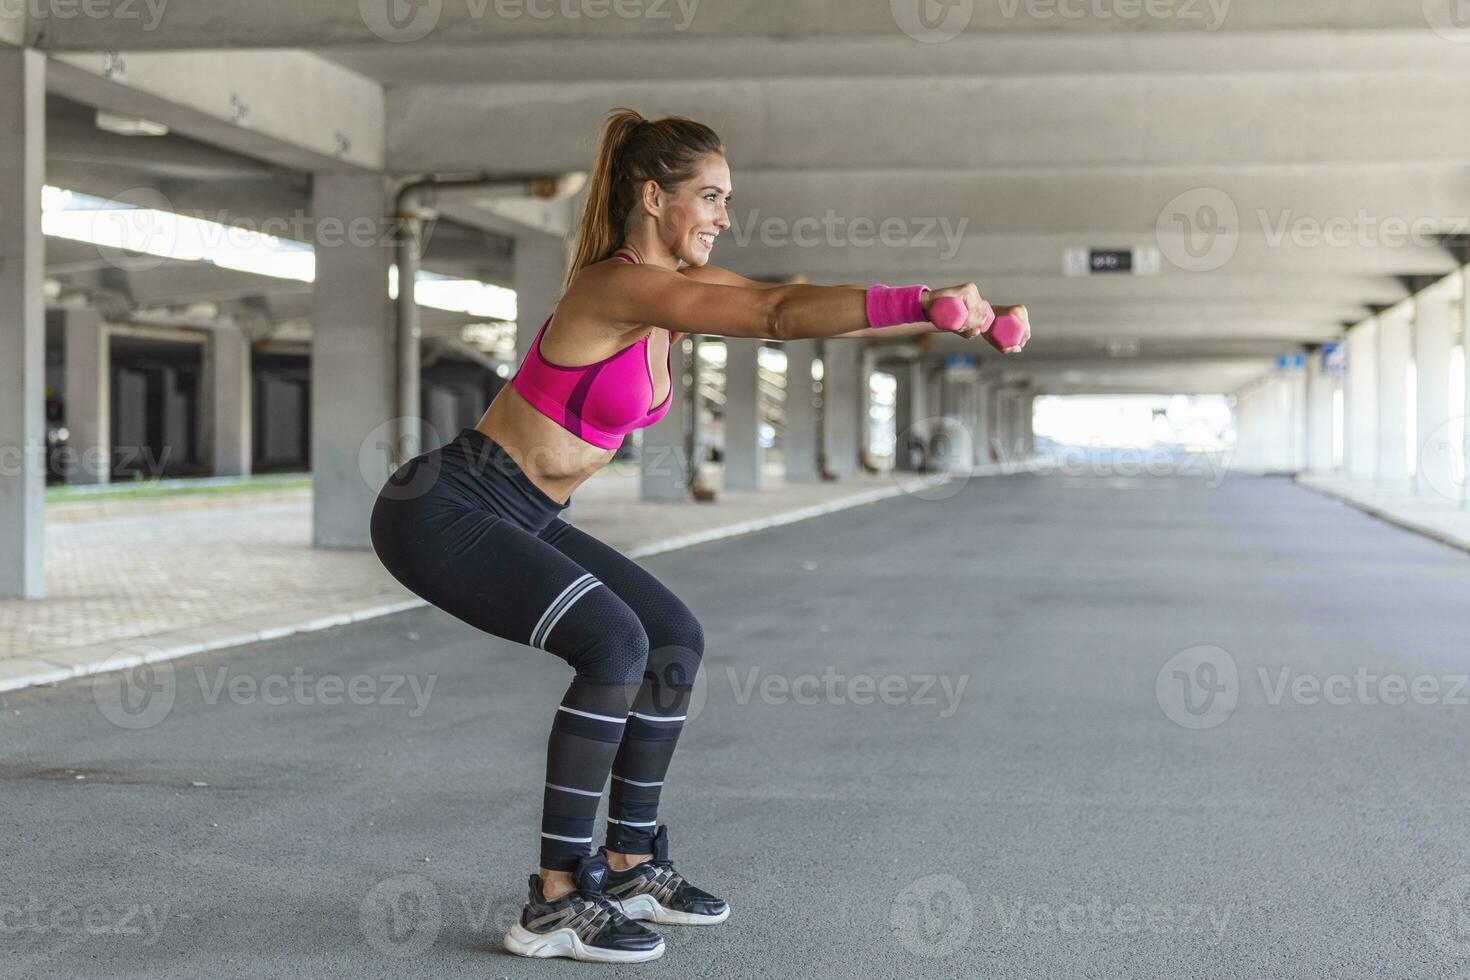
(695, 213)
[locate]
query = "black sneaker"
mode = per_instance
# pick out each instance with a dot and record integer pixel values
(654, 891)
(582, 924)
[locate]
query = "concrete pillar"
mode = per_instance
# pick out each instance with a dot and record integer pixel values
(87, 396)
(908, 410)
(842, 404)
(1462, 472)
(744, 457)
(959, 390)
(1360, 402)
(984, 418)
(1027, 405)
(1321, 387)
(540, 267)
(1434, 338)
(664, 458)
(1395, 334)
(354, 434)
(22, 324)
(799, 430)
(228, 414)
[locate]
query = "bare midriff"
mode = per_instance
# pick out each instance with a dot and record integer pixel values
(554, 459)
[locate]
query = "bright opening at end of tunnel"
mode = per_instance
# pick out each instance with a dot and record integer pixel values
(1185, 423)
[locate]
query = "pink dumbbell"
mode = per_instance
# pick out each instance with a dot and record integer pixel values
(950, 313)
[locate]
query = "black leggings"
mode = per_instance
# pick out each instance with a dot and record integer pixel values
(464, 527)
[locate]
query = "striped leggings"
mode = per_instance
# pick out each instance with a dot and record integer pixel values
(464, 528)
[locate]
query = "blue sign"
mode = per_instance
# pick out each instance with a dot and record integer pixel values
(959, 360)
(1291, 362)
(1334, 359)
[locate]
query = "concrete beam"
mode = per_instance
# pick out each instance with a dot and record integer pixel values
(1139, 120)
(290, 108)
(624, 58)
(286, 23)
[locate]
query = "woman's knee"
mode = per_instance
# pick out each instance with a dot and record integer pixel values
(610, 645)
(676, 648)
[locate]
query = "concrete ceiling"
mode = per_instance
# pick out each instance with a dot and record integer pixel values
(1296, 163)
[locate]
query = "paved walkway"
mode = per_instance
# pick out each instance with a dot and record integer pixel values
(1437, 516)
(144, 580)
(1045, 727)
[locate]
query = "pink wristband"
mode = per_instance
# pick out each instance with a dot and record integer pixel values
(890, 307)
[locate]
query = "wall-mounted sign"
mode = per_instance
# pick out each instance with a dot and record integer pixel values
(1141, 261)
(1334, 359)
(1291, 362)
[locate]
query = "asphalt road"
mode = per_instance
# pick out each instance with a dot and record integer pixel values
(1094, 726)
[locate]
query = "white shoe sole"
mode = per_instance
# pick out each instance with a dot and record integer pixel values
(565, 942)
(646, 908)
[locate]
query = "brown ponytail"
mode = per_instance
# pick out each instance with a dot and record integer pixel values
(632, 150)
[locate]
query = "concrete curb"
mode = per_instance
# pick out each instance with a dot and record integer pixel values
(1427, 530)
(31, 671)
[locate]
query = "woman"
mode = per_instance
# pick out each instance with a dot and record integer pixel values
(473, 527)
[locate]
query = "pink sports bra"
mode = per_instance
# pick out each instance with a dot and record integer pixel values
(601, 402)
